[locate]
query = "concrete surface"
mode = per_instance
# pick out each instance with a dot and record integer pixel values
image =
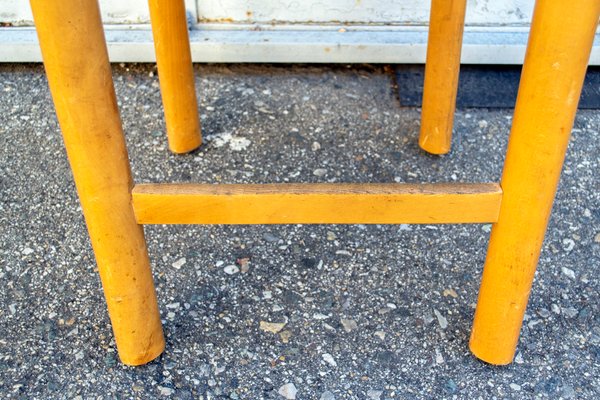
(365, 307)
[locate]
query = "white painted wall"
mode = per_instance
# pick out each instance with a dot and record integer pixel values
(401, 12)
(18, 12)
(296, 31)
(479, 12)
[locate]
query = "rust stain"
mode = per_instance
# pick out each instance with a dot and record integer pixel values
(229, 19)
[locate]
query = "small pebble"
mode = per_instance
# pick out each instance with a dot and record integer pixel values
(273, 327)
(138, 387)
(428, 318)
(285, 336)
(179, 263)
(515, 387)
(328, 358)
(288, 391)
(319, 172)
(349, 324)
(374, 394)
(231, 269)
(441, 319)
(27, 251)
(384, 310)
(315, 146)
(165, 391)
(568, 272)
(269, 237)
(531, 324)
(380, 334)
(542, 312)
(450, 292)
(568, 392)
(239, 143)
(327, 395)
(570, 312)
(597, 238)
(568, 244)
(519, 358)
(439, 358)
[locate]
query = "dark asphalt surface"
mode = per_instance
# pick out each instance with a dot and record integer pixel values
(363, 306)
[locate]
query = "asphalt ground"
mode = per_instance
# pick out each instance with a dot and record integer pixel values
(370, 311)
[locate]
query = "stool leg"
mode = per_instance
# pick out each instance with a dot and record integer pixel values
(176, 74)
(444, 43)
(559, 47)
(76, 61)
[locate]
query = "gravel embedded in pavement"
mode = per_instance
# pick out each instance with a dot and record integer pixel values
(368, 311)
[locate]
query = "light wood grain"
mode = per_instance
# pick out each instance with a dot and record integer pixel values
(175, 74)
(559, 48)
(444, 46)
(316, 203)
(79, 74)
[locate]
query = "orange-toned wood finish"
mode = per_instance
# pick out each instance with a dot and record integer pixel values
(79, 75)
(76, 61)
(559, 47)
(446, 25)
(175, 74)
(316, 203)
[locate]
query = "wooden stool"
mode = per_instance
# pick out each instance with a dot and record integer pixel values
(79, 74)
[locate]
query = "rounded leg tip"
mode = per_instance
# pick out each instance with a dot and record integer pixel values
(434, 148)
(491, 355)
(143, 357)
(185, 147)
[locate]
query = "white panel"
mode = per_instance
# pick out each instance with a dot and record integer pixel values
(479, 12)
(18, 12)
(124, 11)
(15, 11)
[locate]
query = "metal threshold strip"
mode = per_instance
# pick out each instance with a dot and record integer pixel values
(239, 43)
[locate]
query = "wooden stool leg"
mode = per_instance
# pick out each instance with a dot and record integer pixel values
(559, 46)
(76, 60)
(176, 74)
(442, 67)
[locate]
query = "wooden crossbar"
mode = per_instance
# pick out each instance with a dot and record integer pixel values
(316, 203)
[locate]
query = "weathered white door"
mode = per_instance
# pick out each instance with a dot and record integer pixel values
(407, 12)
(345, 31)
(398, 12)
